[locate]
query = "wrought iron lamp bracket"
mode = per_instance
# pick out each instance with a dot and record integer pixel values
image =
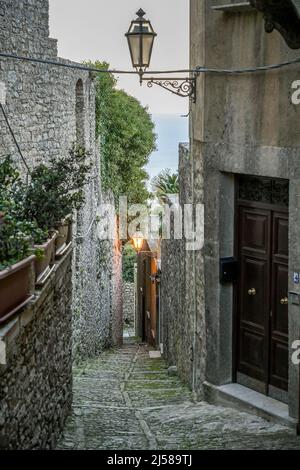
(186, 87)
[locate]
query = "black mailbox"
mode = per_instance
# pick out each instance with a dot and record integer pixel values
(228, 269)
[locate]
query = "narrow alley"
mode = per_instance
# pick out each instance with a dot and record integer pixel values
(126, 400)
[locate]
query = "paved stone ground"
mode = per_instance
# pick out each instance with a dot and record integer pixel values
(126, 401)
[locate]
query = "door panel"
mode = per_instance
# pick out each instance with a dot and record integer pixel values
(254, 277)
(280, 235)
(252, 354)
(279, 362)
(255, 227)
(279, 321)
(262, 295)
(255, 231)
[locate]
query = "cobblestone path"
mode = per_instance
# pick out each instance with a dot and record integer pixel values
(126, 401)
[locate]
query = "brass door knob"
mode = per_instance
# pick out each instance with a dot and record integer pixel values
(252, 291)
(284, 301)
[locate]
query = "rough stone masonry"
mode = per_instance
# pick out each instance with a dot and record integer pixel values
(49, 108)
(36, 369)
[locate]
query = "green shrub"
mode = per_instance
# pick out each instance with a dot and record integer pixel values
(17, 235)
(57, 188)
(129, 259)
(30, 212)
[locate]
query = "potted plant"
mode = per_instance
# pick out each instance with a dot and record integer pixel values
(13, 194)
(44, 264)
(17, 255)
(16, 266)
(55, 190)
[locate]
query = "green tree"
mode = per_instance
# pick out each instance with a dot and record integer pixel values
(129, 259)
(127, 138)
(165, 184)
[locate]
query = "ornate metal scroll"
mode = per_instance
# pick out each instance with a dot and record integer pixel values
(267, 190)
(185, 87)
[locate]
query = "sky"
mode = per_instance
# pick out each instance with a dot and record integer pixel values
(95, 29)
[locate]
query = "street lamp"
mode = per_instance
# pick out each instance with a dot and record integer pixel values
(140, 37)
(138, 240)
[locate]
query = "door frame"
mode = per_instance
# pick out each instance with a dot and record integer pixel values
(235, 297)
(222, 163)
(147, 297)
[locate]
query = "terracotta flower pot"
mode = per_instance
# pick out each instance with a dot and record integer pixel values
(16, 287)
(64, 237)
(42, 266)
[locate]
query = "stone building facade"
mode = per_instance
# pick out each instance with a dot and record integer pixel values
(244, 160)
(49, 108)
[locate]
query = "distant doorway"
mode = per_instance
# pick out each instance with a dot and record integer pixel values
(148, 304)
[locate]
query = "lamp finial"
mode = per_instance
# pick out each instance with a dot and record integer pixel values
(141, 13)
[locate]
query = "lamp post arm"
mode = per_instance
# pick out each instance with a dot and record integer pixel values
(186, 87)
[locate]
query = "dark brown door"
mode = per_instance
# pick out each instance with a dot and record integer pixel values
(147, 269)
(262, 295)
(254, 307)
(279, 304)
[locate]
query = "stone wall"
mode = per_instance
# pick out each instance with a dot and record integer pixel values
(49, 108)
(129, 303)
(182, 302)
(116, 296)
(36, 366)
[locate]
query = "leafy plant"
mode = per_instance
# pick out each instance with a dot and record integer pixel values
(165, 184)
(129, 259)
(127, 139)
(16, 240)
(29, 212)
(17, 235)
(56, 189)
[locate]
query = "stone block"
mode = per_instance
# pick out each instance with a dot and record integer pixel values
(26, 317)
(2, 93)
(2, 353)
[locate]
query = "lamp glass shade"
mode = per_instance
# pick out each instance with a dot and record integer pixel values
(138, 240)
(140, 38)
(134, 47)
(147, 49)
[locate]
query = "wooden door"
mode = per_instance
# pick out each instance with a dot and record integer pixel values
(254, 307)
(147, 304)
(279, 305)
(262, 295)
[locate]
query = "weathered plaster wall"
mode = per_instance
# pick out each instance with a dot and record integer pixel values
(49, 108)
(241, 124)
(36, 366)
(229, 104)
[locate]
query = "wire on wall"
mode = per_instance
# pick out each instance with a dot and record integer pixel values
(14, 138)
(196, 70)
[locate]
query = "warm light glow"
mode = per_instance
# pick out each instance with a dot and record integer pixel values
(138, 240)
